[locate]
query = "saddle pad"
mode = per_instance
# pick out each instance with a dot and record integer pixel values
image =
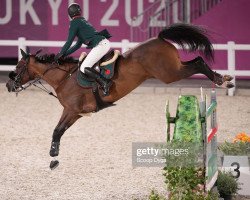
(83, 82)
(107, 72)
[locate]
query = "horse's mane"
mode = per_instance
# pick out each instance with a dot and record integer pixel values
(50, 58)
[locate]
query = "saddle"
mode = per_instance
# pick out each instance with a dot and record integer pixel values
(105, 66)
(108, 58)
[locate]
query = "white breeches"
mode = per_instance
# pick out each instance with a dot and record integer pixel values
(96, 54)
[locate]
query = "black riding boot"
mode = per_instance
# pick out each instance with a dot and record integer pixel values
(103, 82)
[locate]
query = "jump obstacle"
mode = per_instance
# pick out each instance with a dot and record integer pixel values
(191, 121)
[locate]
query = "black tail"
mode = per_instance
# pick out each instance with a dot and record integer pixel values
(195, 37)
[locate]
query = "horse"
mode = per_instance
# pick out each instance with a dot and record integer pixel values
(155, 58)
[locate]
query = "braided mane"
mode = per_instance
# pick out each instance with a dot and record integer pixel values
(50, 58)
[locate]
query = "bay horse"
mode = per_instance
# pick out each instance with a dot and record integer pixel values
(154, 58)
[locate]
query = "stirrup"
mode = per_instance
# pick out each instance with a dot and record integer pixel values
(105, 86)
(105, 92)
(104, 83)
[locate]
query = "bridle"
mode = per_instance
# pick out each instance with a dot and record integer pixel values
(17, 78)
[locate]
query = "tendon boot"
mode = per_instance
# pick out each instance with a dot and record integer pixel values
(103, 82)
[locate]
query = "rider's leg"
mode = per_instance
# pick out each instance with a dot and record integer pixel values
(103, 82)
(95, 55)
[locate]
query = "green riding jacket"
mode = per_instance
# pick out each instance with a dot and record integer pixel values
(85, 33)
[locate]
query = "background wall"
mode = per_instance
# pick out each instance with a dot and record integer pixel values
(49, 21)
(228, 21)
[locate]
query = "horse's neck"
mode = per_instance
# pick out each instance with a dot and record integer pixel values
(52, 74)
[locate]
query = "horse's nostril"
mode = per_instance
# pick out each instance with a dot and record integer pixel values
(12, 75)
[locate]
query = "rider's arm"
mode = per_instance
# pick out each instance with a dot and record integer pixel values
(71, 36)
(74, 48)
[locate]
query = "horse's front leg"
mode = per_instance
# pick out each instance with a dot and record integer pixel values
(68, 118)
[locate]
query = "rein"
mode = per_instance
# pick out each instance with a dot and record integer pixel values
(34, 84)
(69, 73)
(43, 88)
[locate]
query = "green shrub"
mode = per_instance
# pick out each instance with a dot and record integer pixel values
(236, 148)
(227, 184)
(185, 174)
(184, 183)
(155, 196)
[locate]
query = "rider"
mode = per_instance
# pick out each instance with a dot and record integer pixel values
(96, 41)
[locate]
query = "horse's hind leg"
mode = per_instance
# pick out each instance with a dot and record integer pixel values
(198, 65)
(67, 119)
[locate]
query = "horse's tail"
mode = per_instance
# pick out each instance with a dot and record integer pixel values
(195, 37)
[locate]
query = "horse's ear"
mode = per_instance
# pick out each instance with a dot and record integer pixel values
(23, 54)
(39, 51)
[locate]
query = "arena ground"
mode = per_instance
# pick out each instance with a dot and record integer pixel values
(95, 157)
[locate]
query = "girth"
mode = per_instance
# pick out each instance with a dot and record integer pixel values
(100, 104)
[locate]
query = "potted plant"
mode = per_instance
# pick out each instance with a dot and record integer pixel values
(227, 185)
(239, 147)
(236, 160)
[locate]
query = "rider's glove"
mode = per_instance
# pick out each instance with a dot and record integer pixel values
(58, 57)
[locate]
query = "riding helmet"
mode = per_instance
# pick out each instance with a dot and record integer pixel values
(74, 9)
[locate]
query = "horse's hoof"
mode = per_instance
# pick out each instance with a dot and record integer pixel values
(230, 85)
(53, 164)
(227, 78)
(226, 85)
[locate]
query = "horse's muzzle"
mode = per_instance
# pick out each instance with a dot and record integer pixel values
(11, 86)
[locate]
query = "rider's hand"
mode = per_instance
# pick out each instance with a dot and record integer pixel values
(58, 57)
